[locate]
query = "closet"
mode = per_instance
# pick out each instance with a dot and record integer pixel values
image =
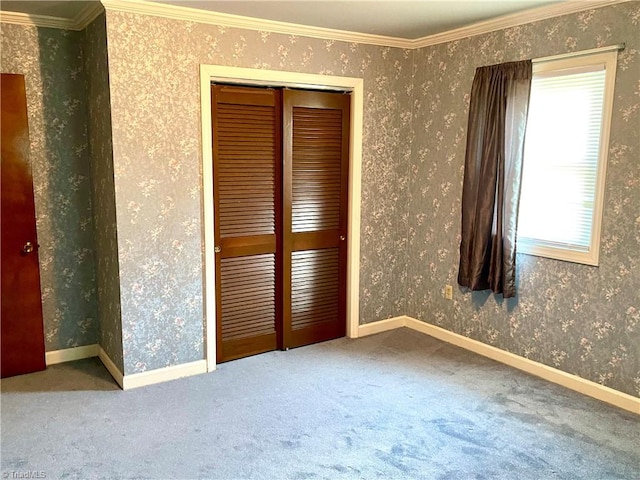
(280, 168)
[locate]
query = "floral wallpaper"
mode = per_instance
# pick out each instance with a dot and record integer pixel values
(103, 190)
(155, 100)
(51, 61)
(579, 319)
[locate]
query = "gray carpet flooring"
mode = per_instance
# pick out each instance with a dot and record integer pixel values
(395, 405)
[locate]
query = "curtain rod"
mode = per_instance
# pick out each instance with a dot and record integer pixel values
(620, 46)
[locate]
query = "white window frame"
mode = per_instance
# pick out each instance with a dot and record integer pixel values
(592, 256)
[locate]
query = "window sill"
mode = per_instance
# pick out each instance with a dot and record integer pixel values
(567, 255)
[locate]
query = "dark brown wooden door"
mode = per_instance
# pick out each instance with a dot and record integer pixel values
(21, 329)
(280, 199)
(316, 168)
(247, 193)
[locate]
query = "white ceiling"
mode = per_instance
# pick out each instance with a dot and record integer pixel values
(393, 18)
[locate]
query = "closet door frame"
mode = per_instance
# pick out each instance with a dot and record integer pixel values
(246, 76)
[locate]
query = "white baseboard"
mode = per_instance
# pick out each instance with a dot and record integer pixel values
(111, 367)
(127, 381)
(381, 326)
(71, 354)
(86, 351)
(164, 374)
(572, 382)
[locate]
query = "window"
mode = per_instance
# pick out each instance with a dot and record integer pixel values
(565, 158)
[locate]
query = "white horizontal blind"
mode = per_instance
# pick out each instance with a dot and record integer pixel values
(561, 158)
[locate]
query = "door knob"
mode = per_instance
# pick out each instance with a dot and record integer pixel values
(28, 248)
(342, 238)
(217, 249)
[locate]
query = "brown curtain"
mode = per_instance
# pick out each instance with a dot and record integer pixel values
(492, 176)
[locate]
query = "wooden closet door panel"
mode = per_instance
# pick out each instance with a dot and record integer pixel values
(315, 190)
(247, 195)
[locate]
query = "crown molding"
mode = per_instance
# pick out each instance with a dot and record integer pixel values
(512, 20)
(174, 12)
(17, 18)
(87, 15)
(84, 18)
(227, 20)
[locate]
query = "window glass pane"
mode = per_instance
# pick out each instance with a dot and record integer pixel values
(561, 159)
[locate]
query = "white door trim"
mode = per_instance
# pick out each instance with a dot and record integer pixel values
(250, 76)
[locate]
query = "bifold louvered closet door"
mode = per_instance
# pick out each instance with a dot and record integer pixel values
(280, 199)
(247, 186)
(316, 152)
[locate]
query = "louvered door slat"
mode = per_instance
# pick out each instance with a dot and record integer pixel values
(256, 307)
(246, 130)
(317, 161)
(247, 191)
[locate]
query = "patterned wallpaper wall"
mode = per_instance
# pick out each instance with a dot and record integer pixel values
(156, 139)
(103, 190)
(576, 318)
(51, 61)
(579, 319)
